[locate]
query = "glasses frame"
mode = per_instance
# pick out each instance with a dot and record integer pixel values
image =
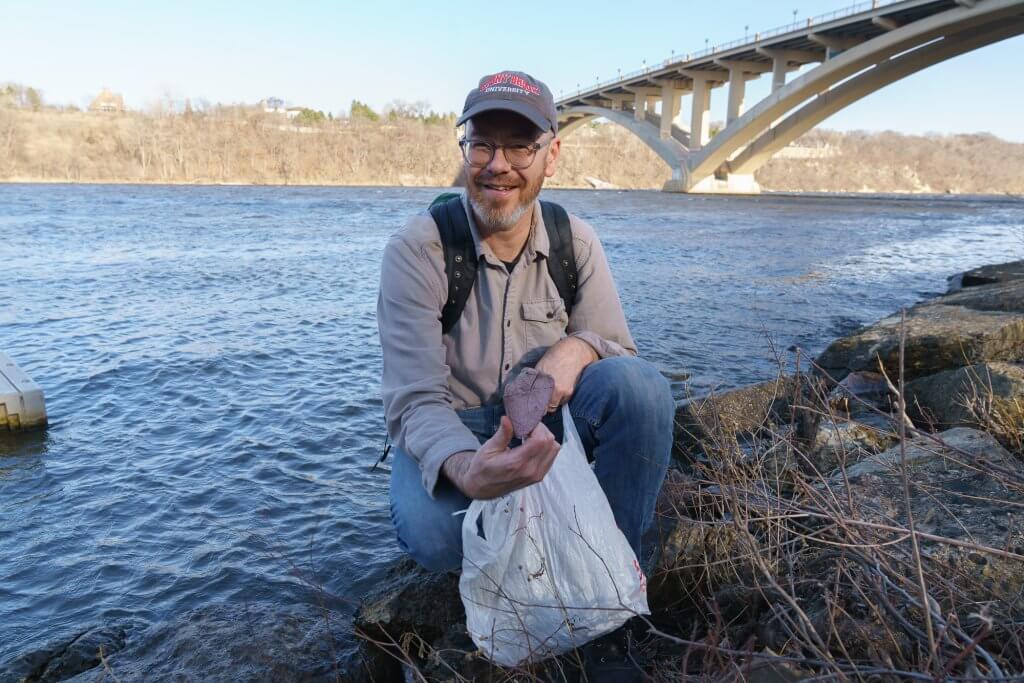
(534, 147)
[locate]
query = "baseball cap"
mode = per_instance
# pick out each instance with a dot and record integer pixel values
(513, 91)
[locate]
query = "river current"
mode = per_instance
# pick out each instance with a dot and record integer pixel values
(211, 368)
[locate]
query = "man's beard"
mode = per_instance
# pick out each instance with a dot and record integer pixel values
(493, 219)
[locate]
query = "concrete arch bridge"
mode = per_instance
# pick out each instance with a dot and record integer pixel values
(857, 51)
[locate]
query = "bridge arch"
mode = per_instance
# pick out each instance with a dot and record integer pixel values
(758, 152)
(817, 82)
(671, 151)
(857, 54)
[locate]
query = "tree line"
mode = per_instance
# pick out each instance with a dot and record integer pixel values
(407, 143)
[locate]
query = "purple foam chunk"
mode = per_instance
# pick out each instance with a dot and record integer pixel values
(526, 400)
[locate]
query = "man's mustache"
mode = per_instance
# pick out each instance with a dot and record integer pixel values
(503, 179)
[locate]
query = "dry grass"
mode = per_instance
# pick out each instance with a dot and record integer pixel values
(819, 585)
(1003, 418)
(240, 145)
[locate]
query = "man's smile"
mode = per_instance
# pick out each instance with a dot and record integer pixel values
(496, 189)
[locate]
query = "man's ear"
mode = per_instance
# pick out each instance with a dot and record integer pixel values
(551, 160)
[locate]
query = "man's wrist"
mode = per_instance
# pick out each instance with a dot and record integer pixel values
(455, 468)
(588, 353)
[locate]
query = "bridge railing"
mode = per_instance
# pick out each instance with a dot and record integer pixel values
(847, 11)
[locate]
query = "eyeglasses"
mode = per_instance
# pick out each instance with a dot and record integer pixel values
(479, 153)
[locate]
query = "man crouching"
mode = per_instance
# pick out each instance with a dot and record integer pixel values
(527, 286)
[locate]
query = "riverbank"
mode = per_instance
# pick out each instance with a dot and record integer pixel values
(808, 519)
(239, 146)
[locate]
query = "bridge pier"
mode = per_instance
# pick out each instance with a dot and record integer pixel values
(700, 124)
(737, 92)
(670, 100)
(726, 183)
(732, 183)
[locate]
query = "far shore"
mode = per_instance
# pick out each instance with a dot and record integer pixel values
(586, 188)
(240, 146)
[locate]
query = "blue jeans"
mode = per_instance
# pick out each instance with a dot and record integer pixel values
(623, 411)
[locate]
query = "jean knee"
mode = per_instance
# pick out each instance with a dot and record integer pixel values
(640, 388)
(434, 556)
(426, 528)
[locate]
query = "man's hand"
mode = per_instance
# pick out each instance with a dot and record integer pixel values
(495, 469)
(565, 361)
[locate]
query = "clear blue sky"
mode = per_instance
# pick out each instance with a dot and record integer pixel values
(325, 54)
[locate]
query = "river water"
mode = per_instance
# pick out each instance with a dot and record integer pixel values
(211, 368)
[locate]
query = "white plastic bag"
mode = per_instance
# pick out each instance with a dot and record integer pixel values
(552, 570)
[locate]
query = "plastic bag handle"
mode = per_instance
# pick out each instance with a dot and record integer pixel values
(569, 434)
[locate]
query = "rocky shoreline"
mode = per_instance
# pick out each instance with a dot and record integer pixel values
(785, 547)
(785, 544)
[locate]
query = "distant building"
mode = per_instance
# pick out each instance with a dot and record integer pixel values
(107, 102)
(292, 112)
(273, 105)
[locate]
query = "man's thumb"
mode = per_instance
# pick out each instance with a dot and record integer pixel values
(502, 437)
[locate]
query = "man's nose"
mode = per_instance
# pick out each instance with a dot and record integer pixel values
(499, 162)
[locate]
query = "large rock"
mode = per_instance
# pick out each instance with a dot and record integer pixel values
(986, 275)
(697, 552)
(983, 395)
(1001, 296)
(962, 481)
(65, 657)
(842, 440)
(938, 337)
(253, 642)
(410, 603)
(741, 413)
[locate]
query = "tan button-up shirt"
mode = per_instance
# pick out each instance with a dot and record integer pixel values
(509, 322)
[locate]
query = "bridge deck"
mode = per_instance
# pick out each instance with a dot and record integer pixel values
(804, 49)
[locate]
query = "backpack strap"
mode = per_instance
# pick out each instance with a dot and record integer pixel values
(562, 258)
(460, 262)
(459, 256)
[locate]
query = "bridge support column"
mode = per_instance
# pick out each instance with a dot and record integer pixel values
(639, 104)
(779, 67)
(737, 91)
(670, 100)
(700, 125)
(735, 183)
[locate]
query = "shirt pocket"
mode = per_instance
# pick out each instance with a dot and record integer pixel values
(544, 322)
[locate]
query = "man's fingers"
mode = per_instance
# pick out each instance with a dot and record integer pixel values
(537, 453)
(546, 460)
(499, 442)
(558, 397)
(540, 433)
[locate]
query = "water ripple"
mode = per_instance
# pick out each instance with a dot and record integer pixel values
(211, 365)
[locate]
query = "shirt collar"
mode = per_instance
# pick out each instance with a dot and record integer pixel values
(537, 243)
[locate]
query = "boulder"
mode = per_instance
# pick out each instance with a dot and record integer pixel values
(260, 641)
(410, 602)
(67, 656)
(961, 482)
(741, 413)
(982, 395)
(938, 337)
(1001, 296)
(846, 441)
(986, 275)
(701, 551)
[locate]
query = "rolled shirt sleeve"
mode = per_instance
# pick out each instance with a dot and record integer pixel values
(417, 398)
(597, 317)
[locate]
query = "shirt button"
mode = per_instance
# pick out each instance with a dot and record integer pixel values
(506, 366)
(508, 323)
